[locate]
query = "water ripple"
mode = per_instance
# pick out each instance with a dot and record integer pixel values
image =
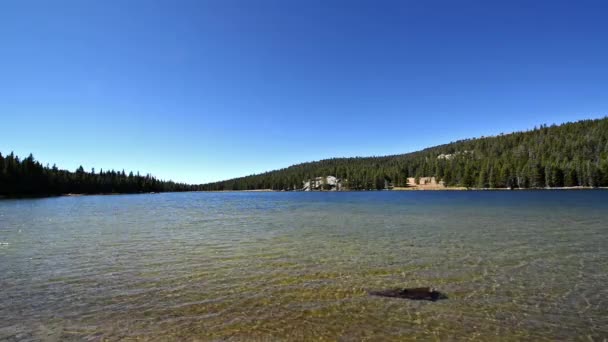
(295, 266)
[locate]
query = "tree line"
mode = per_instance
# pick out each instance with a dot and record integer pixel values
(27, 177)
(571, 154)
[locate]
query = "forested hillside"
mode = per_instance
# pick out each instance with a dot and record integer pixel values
(28, 177)
(572, 154)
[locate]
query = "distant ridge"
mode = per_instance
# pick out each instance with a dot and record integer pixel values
(573, 154)
(565, 156)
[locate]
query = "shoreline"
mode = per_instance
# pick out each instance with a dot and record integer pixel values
(423, 189)
(79, 195)
(4, 197)
(497, 189)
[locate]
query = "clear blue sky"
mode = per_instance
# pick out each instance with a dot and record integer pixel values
(199, 90)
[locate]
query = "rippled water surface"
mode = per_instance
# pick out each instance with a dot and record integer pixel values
(298, 266)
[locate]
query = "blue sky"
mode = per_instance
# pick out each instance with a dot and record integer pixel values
(199, 91)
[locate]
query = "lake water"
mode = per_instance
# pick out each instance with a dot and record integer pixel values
(520, 265)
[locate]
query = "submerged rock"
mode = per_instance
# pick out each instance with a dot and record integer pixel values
(416, 293)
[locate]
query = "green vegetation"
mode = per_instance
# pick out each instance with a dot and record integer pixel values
(572, 154)
(28, 177)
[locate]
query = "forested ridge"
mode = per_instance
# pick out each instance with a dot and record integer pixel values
(571, 154)
(27, 177)
(568, 155)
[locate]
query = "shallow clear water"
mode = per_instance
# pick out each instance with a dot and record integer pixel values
(298, 266)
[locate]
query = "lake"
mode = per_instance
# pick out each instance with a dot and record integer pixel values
(516, 265)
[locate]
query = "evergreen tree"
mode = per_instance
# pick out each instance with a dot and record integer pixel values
(29, 178)
(568, 155)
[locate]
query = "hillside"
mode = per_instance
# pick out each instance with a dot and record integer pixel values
(571, 154)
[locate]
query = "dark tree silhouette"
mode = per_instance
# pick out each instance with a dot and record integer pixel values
(29, 178)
